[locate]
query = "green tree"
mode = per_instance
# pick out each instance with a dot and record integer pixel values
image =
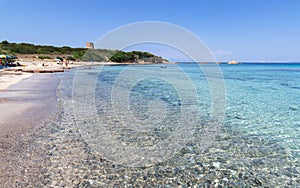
(5, 42)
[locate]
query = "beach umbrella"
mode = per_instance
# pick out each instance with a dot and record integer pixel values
(2, 56)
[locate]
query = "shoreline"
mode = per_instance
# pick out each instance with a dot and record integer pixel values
(13, 75)
(25, 106)
(8, 79)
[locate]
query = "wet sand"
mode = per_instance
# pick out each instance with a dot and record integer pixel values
(24, 107)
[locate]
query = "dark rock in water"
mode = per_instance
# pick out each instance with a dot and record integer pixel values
(208, 181)
(239, 117)
(294, 108)
(258, 182)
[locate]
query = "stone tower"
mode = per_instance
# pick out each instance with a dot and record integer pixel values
(89, 45)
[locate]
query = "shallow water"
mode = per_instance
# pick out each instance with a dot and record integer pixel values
(143, 125)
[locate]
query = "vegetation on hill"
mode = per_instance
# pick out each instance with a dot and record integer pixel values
(136, 56)
(25, 48)
(82, 54)
(97, 55)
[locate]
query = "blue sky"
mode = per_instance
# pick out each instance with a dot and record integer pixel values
(246, 30)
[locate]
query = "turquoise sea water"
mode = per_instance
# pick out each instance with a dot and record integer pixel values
(257, 143)
(262, 99)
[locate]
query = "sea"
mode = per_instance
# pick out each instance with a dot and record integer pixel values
(186, 124)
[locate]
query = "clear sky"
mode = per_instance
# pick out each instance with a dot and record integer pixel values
(245, 30)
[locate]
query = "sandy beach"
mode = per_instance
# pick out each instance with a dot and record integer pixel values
(13, 75)
(7, 79)
(26, 101)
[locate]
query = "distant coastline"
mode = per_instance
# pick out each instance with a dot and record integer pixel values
(32, 52)
(242, 62)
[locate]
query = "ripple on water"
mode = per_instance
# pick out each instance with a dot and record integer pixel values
(253, 148)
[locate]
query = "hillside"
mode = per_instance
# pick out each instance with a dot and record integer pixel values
(79, 54)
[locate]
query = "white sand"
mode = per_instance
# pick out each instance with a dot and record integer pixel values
(7, 79)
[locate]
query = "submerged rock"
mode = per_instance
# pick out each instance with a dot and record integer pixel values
(294, 108)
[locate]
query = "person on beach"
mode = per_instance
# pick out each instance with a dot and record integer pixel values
(67, 62)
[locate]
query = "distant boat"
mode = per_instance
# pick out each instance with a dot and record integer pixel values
(163, 66)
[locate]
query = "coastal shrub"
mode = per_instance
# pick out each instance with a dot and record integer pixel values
(65, 50)
(5, 42)
(71, 58)
(142, 55)
(92, 55)
(44, 57)
(41, 51)
(121, 56)
(78, 53)
(25, 48)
